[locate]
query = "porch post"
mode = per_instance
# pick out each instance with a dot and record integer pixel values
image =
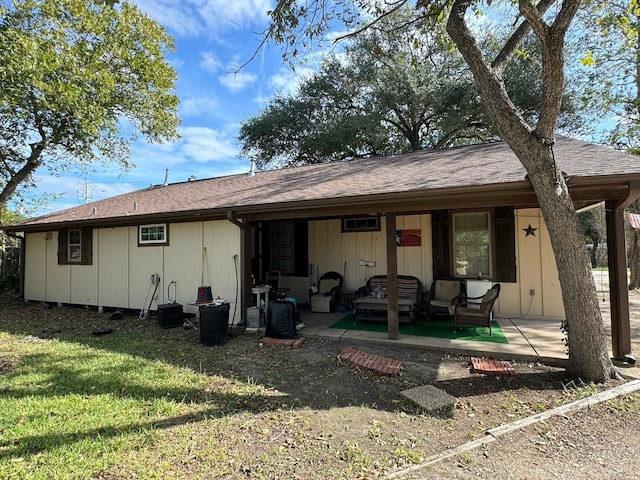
(618, 284)
(392, 278)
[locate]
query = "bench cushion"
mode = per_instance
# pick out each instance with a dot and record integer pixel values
(373, 303)
(376, 300)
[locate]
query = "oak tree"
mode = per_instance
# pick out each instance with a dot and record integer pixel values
(397, 87)
(79, 81)
(532, 141)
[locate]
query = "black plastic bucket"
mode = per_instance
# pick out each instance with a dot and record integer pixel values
(214, 324)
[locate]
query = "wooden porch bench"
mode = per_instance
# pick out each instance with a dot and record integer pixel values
(371, 300)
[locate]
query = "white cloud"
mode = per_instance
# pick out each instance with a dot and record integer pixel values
(193, 107)
(286, 81)
(203, 144)
(73, 191)
(236, 82)
(236, 14)
(180, 17)
(195, 17)
(210, 62)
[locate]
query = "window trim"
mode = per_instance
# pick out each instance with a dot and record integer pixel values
(86, 246)
(155, 242)
(503, 261)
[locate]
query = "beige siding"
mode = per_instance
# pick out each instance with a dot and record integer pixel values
(84, 283)
(536, 270)
(199, 253)
(58, 276)
(183, 263)
(143, 262)
(35, 268)
(208, 253)
(113, 266)
(222, 243)
(222, 267)
(330, 249)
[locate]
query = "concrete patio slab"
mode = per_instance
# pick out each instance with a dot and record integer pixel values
(530, 340)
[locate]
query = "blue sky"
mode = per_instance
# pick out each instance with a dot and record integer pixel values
(212, 38)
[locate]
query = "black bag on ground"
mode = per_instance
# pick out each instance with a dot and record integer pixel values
(281, 319)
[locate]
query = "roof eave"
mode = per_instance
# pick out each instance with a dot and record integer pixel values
(584, 190)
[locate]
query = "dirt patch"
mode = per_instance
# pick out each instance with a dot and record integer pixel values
(8, 363)
(324, 419)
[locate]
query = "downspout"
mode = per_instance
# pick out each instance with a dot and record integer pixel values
(618, 290)
(245, 263)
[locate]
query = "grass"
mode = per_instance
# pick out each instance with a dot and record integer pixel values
(144, 402)
(68, 410)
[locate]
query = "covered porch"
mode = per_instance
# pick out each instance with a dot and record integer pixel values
(529, 339)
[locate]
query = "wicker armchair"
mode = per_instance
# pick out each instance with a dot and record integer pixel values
(476, 313)
(443, 296)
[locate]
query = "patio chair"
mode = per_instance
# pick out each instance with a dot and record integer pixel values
(327, 297)
(476, 310)
(443, 296)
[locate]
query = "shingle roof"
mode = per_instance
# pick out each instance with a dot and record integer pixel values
(491, 164)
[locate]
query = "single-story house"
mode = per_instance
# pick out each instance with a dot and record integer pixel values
(461, 210)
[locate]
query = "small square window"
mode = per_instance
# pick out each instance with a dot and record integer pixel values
(155, 234)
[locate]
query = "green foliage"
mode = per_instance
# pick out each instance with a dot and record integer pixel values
(389, 91)
(79, 82)
(8, 216)
(400, 85)
(610, 33)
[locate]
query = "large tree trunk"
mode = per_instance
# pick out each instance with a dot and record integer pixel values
(588, 352)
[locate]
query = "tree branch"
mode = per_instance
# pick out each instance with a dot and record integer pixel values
(552, 39)
(32, 163)
(379, 18)
(495, 97)
(513, 43)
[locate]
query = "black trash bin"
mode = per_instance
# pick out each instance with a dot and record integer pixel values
(214, 323)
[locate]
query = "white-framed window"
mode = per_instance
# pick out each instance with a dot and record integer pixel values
(74, 245)
(153, 234)
(472, 244)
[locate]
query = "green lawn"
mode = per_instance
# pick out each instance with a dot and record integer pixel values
(143, 402)
(70, 410)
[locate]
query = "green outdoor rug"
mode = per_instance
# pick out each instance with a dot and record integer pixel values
(429, 328)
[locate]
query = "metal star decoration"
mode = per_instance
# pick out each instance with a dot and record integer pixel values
(530, 231)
